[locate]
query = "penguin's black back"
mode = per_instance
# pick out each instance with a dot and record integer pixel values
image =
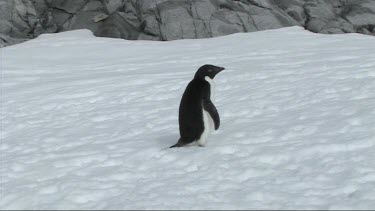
(190, 112)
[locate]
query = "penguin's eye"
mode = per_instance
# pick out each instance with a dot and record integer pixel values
(209, 70)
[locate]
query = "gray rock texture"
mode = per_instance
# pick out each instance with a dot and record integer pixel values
(332, 16)
(180, 19)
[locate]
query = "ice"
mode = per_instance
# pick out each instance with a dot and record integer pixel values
(86, 122)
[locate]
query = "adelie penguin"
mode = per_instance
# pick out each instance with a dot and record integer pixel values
(198, 116)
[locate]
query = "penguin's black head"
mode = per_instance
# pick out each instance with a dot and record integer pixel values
(208, 70)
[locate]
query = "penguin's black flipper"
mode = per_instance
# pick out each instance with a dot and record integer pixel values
(211, 109)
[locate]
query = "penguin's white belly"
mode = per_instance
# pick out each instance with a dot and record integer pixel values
(208, 122)
(209, 126)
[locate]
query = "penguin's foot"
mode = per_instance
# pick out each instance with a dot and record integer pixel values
(201, 145)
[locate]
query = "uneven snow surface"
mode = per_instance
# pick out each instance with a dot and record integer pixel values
(85, 122)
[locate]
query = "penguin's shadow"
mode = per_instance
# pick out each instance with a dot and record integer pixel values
(167, 140)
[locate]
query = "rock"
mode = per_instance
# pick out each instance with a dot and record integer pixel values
(334, 16)
(116, 27)
(6, 40)
(5, 17)
(68, 6)
(57, 18)
(175, 20)
(361, 14)
(170, 20)
(363, 31)
(113, 5)
(23, 19)
(93, 5)
(81, 20)
(150, 25)
(5, 27)
(100, 17)
(182, 19)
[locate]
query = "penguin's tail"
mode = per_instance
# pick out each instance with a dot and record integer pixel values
(178, 144)
(173, 146)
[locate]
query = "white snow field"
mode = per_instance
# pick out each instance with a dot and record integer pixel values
(86, 122)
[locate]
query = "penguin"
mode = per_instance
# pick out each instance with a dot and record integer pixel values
(198, 116)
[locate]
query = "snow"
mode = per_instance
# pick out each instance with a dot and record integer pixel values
(85, 123)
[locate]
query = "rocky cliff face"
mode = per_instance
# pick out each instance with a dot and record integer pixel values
(170, 19)
(332, 16)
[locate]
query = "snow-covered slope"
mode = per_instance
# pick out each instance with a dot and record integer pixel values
(85, 123)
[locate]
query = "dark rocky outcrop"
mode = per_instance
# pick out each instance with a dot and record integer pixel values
(170, 19)
(332, 16)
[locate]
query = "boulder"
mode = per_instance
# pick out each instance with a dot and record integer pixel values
(182, 19)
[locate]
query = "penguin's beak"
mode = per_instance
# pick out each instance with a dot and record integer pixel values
(221, 69)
